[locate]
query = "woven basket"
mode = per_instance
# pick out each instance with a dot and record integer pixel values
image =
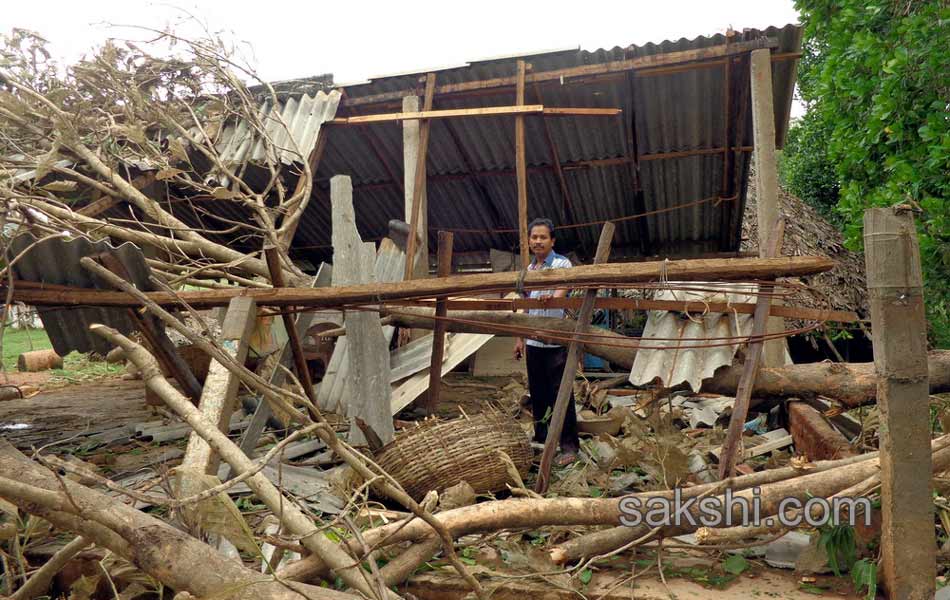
(437, 454)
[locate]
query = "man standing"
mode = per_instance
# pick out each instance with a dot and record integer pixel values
(546, 362)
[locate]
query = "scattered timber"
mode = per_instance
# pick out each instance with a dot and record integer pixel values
(607, 275)
(851, 384)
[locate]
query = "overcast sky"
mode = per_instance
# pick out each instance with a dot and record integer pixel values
(357, 40)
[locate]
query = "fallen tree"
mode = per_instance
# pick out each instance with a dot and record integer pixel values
(851, 384)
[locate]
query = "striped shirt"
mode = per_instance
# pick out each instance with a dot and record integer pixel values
(552, 261)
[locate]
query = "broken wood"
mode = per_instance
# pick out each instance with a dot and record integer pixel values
(415, 214)
(565, 392)
(814, 437)
(606, 275)
(291, 516)
(750, 367)
(170, 555)
(438, 333)
(851, 384)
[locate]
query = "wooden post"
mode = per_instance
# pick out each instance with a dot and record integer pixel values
(368, 351)
(521, 169)
(740, 409)
(565, 392)
(895, 288)
(415, 149)
(766, 179)
(221, 385)
(438, 333)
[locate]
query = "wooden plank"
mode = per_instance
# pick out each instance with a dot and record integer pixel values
(607, 275)
(263, 412)
(687, 306)
(368, 351)
(418, 189)
(438, 339)
(565, 393)
(484, 111)
(895, 289)
(765, 443)
(221, 385)
(521, 170)
(751, 366)
(619, 66)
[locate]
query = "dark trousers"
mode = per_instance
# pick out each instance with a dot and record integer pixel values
(545, 369)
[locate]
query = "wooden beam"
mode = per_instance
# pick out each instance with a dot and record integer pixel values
(895, 289)
(521, 171)
(438, 334)
(418, 188)
(220, 389)
(750, 369)
(607, 275)
(619, 66)
(485, 111)
(565, 393)
(686, 306)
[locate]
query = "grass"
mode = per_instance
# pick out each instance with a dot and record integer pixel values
(18, 341)
(76, 367)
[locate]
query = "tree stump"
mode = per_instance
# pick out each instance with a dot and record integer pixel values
(39, 360)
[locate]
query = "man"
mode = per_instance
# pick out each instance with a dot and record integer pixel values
(546, 362)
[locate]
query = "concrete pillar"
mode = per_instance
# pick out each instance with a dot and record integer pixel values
(895, 289)
(766, 181)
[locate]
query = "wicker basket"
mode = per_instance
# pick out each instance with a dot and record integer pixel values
(437, 454)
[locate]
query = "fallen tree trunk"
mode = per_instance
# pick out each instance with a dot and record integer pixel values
(169, 555)
(532, 513)
(851, 384)
(606, 275)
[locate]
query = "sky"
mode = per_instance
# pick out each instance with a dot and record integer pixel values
(358, 40)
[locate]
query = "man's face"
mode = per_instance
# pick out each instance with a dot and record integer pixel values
(540, 241)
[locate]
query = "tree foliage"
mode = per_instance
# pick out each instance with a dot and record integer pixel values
(876, 80)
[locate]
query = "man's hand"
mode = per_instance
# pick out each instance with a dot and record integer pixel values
(519, 348)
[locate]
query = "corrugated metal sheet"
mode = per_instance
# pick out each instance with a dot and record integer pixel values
(471, 181)
(292, 127)
(669, 113)
(56, 261)
(687, 361)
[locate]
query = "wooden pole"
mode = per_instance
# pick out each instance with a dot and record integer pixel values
(895, 287)
(521, 168)
(750, 369)
(415, 218)
(766, 178)
(438, 333)
(611, 274)
(565, 392)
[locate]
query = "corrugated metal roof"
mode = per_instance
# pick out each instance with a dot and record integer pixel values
(471, 180)
(56, 261)
(292, 127)
(688, 361)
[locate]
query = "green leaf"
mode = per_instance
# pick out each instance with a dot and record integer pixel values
(585, 576)
(735, 564)
(468, 561)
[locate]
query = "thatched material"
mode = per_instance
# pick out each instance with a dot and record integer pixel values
(808, 233)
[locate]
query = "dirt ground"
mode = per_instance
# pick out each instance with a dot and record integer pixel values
(53, 415)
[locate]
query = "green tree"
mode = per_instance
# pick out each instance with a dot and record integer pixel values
(877, 76)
